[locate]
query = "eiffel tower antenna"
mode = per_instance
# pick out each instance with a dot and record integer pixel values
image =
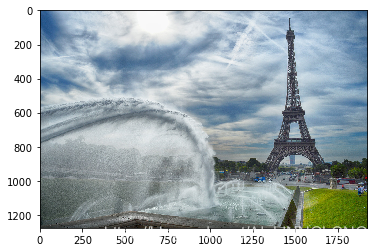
(293, 113)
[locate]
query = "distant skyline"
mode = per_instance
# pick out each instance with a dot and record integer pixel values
(227, 70)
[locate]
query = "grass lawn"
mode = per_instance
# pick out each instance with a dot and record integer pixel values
(329, 208)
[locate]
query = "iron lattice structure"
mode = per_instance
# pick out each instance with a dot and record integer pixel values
(293, 113)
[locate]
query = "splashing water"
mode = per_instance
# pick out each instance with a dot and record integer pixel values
(123, 141)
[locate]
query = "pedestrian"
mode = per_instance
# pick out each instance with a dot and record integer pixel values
(359, 190)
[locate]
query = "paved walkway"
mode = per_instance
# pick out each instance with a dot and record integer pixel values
(284, 180)
(300, 211)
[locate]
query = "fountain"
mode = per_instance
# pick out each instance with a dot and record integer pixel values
(110, 156)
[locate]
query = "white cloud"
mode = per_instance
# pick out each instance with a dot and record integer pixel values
(270, 110)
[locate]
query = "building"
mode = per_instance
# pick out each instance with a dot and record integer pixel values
(292, 159)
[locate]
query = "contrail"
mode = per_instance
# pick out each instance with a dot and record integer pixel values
(243, 38)
(273, 41)
(240, 41)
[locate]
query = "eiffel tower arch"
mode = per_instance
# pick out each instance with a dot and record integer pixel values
(293, 113)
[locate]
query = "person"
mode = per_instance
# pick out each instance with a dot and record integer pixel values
(342, 186)
(359, 190)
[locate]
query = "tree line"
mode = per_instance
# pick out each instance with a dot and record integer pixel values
(352, 169)
(232, 166)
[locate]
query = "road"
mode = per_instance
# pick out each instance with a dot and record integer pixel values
(284, 180)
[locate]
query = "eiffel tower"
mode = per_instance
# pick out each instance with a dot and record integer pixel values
(293, 113)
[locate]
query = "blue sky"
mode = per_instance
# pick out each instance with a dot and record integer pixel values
(227, 70)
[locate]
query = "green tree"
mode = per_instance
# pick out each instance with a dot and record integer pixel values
(364, 163)
(233, 166)
(321, 167)
(256, 168)
(218, 166)
(348, 164)
(358, 172)
(338, 171)
(252, 162)
(354, 173)
(243, 168)
(263, 166)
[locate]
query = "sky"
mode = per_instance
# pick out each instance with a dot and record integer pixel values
(225, 69)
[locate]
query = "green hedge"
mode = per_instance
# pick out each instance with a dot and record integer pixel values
(290, 216)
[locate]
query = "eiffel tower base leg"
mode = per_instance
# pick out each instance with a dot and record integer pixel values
(284, 149)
